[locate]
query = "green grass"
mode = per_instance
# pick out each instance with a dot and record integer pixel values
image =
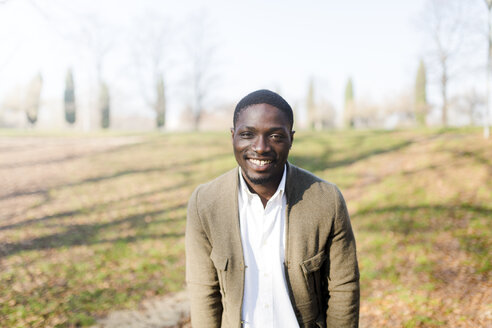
(93, 223)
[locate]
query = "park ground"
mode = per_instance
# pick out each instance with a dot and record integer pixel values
(91, 224)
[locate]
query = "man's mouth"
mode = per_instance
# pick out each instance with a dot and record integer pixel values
(260, 162)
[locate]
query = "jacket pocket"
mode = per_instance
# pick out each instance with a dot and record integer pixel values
(313, 264)
(221, 263)
(311, 269)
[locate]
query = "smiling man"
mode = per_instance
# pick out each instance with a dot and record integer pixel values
(269, 244)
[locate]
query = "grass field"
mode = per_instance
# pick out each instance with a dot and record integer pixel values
(89, 224)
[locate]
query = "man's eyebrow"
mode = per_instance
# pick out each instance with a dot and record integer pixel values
(252, 128)
(249, 128)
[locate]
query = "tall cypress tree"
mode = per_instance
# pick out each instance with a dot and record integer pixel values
(69, 98)
(310, 105)
(33, 99)
(420, 94)
(104, 105)
(349, 111)
(160, 103)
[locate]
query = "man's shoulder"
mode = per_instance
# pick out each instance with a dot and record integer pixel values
(217, 188)
(312, 194)
(224, 179)
(304, 179)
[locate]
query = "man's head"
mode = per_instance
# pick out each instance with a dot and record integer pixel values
(264, 96)
(262, 136)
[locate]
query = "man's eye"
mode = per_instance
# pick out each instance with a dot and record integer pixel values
(277, 137)
(246, 135)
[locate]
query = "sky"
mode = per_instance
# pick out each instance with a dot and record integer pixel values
(279, 45)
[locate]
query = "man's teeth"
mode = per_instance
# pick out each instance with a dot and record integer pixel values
(260, 162)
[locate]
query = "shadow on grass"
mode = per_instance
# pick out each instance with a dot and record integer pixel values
(66, 158)
(85, 209)
(478, 158)
(424, 218)
(86, 234)
(319, 163)
(423, 222)
(180, 166)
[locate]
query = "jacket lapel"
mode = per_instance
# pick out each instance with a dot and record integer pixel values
(230, 215)
(290, 193)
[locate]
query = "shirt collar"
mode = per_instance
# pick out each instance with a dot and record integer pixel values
(243, 186)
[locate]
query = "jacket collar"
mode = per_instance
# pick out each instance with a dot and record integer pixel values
(290, 185)
(247, 194)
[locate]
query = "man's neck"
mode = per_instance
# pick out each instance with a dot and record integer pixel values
(266, 190)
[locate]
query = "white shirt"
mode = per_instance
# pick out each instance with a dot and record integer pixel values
(266, 301)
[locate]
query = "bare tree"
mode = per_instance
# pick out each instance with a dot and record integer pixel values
(486, 122)
(470, 103)
(98, 39)
(326, 115)
(320, 112)
(368, 114)
(397, 110)
(446, 22)
(14, 99)
(201, 52)
(150, 50)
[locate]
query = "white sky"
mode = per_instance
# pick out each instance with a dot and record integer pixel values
(258, 44)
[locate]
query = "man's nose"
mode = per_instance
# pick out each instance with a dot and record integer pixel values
(261, 145)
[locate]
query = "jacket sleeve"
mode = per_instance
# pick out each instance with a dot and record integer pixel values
(343, 271)
(201, 276)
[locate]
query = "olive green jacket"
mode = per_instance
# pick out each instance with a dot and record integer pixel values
(320, 257)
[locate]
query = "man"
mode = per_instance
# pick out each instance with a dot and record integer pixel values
(269, 244)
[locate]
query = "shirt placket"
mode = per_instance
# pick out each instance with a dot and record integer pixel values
(266, 272)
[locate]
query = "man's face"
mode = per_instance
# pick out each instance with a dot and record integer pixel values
(262, 139)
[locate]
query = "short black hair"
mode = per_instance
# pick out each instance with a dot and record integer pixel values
(264, 96)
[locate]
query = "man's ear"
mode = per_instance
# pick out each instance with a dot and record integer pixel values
(292, 137)
(232, 133)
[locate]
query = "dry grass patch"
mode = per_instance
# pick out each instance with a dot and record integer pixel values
(91, 224)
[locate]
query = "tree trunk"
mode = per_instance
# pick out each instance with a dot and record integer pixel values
(444, 86)
(486, 123)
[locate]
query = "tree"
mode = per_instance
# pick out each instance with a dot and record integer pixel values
(486, 122)
(470, 102)
(33, 98)
(447, 26)
(326, 114)
(69, 98)
(104, 105)
(160, 104)
(396, 110)
(349, 111)
(311, 105)
(200, 53)
(98, 38)
(149, 48)
(420, 94)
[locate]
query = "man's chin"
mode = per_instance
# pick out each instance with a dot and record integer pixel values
(260, 180)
